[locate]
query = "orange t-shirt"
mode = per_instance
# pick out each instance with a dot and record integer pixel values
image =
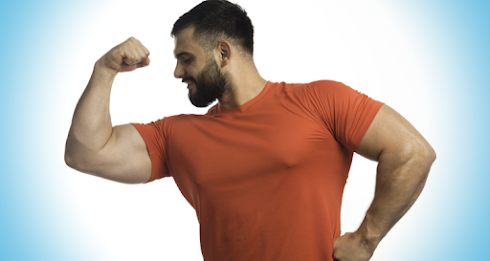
(265, 178)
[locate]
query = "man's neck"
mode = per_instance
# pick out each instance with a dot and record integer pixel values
(245, 85)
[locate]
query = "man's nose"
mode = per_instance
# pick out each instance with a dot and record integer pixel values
(179, 71)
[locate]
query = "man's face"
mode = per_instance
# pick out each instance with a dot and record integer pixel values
(210, 85)
(199, 70)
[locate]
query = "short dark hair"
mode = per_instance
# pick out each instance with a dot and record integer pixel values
(216, 20)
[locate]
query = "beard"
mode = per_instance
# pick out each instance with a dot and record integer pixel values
(210, 85)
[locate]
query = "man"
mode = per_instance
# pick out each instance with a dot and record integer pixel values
(265, 167)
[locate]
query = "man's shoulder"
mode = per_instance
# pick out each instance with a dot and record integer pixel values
(313, 84)
(326, 83)
(324, 87)
(172, 119)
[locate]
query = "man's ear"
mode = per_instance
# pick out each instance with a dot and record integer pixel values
(225, 52)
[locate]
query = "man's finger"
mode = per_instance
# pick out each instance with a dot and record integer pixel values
(144, 63)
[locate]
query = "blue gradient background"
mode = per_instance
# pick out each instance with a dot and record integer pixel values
(38, 223)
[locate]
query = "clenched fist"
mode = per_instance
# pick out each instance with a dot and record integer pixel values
(126, 57)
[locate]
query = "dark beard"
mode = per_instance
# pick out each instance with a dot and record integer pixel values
(210, 85)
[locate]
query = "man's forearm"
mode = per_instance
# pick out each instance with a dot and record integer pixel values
(91, 125)
(400, 180)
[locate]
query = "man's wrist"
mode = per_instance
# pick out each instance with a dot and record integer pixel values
(369, 233)
(102, 77)
(101, 68)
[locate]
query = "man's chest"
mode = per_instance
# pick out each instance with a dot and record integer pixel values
(213, 151)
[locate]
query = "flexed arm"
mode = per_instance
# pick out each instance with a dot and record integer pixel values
(93, 145)
(404, 160)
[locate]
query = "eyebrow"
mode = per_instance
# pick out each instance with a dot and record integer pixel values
(181, 54)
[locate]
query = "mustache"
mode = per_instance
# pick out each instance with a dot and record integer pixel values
(187, 79)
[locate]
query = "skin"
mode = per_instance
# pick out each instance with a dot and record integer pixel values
(119, 153)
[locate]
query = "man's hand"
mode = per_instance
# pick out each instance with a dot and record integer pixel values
(126, 57)
(352, 247)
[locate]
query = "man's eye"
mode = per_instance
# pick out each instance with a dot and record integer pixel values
(187, 60)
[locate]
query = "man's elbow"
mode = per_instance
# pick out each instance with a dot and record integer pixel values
(71, 161)
(75, 160)
(416, 153)
(431, 155)
(427, 153)
(76, 155)
(423, 155)
(69, 158)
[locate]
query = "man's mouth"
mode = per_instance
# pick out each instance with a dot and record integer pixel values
(189, 82)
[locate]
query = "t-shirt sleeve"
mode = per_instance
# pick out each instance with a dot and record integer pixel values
(346, 112)
(155, 136)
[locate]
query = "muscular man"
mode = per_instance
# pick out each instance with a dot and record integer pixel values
(266, 166)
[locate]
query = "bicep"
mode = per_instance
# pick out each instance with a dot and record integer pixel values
(390, 133)
(124, 158)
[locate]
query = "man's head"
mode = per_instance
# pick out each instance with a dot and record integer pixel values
(202, 35)
(217, 20)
